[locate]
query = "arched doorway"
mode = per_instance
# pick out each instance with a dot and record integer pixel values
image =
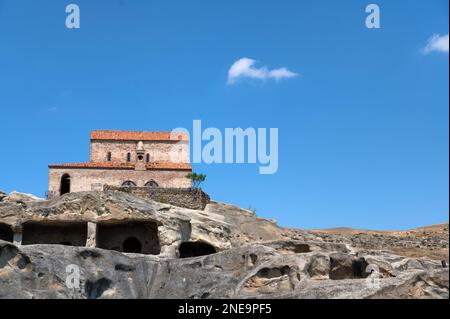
(128, 184)
(132, 245)
(65, 184)
(151, 183)
(195, 249)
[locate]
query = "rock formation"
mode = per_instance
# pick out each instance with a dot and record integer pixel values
(221, 252)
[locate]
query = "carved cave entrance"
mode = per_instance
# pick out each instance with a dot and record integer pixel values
(129, 237)
(69, 234)
(195, 249)
(6, 233)
(132, 245)
(65, 184)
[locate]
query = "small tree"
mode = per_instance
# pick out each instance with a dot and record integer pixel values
(196, 179)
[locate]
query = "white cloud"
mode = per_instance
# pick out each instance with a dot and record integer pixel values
(245, 68)
(437, 43)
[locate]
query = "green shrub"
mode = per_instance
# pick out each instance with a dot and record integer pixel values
(196, 179)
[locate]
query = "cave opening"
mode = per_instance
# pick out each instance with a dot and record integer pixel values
(129, 237)
(195, 249)
(68, 234)
(132, 245)
(302, 248)
(6, 233)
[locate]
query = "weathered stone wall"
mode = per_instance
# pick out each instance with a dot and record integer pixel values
(170, 225)
(181, 197)
(94, 179)
(158, 151)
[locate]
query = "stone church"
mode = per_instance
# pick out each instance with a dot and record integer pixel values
(125, 158)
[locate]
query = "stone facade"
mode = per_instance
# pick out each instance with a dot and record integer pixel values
(123, 158)
(95, 179)
(158, 151)
(181, 197)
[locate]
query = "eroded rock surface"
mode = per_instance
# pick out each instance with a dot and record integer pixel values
(18, 197)
(247, 257)
(2, 195)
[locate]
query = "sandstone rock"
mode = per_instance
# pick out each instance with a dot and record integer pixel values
(343, 266)
(2, 195)
(20, 197)
(420, 286)
(319, 267)
(40, 271)
(246, 256)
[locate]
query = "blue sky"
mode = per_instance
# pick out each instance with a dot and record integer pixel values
(363, 129)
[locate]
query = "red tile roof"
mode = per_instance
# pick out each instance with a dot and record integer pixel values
(116, 165)
(138, 136)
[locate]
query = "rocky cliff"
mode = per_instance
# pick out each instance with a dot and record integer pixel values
(249, 257)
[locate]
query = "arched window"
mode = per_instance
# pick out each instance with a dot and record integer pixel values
(128, 184)
(65, 184)
(129, 157)
(151, 183)
(109, 157)
(147, 158)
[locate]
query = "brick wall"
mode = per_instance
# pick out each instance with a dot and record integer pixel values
(181, 197)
